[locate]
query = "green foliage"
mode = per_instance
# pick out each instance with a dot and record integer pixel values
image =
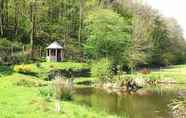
(67, 95)
(46, 92)
(129, 34)
(102, 69)
(108, 35)
(5, 43)
(5, 70)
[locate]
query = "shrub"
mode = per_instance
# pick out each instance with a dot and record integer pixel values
(17, 58)
(67, 95)
(26, 69)
(38, 65)
(101, 69)
(51, 66)
(46, 92)
(62, 89)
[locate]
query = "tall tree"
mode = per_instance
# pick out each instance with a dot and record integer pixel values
(108, 36)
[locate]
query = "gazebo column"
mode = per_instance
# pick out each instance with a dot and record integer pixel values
(49, 55)
(61, 54)
(49, 52)
(56, 54)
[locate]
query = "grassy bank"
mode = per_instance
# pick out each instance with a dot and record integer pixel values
(26, 102)
(175, 74)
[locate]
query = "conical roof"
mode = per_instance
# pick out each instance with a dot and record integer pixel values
(54, 45)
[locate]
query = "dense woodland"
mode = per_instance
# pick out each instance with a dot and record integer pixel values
(126, 32)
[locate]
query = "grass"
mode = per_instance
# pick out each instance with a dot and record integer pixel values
(84, 80)
(175, 73)
(26, 102)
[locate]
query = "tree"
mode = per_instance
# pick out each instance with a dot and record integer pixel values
(109, 35)
(140, 44)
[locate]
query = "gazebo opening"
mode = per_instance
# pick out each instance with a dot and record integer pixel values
(55, 52)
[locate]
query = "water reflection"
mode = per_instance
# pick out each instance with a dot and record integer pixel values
(146, 103)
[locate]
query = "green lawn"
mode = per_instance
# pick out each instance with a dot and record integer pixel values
(175, 73)
(26, 102)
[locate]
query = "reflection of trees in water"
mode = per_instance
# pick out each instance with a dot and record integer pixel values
(144, 104)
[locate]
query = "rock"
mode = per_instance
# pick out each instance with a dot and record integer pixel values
(132, 86)
(167, 81)
(140, 82)
(143, 92)
(182, 93)
(107, 85)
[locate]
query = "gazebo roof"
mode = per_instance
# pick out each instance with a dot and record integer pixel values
(55, 45)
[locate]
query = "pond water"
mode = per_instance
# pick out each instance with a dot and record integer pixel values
(150, 102)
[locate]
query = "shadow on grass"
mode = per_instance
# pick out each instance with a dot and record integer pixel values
(5, 70)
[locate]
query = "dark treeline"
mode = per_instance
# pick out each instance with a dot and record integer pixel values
(125, 31)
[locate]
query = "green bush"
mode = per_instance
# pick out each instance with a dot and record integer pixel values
(102, 69)
(46, 92)
(15, 59)
(11, 53)
(63, 92)
(67, 95)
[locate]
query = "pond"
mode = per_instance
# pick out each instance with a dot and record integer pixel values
(150, 102)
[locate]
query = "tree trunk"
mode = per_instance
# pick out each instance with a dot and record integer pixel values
(1, 24)
(32, 30)
(16, 18)
(80, 20)
(1, 16)
(5, 20)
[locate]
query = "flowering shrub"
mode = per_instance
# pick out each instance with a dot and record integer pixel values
(23, 69)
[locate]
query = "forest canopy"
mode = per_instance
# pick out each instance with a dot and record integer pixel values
(127, 32)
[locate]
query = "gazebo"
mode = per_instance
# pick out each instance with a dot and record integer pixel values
(55, 52)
